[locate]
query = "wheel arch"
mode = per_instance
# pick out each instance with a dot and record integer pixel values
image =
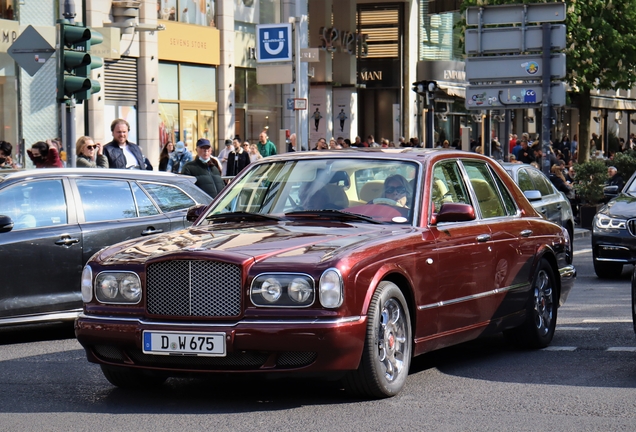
(407, 291)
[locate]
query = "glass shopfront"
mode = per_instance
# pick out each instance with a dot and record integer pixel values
(188, 107)
(9, 32)
(258, 107)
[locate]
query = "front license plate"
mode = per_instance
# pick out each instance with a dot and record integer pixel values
(200, 344)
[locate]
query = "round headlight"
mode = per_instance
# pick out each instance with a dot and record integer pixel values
(87, 284)
(331, 289)
(130, 288)
(108, 287)
(271, 290)
(299, 290)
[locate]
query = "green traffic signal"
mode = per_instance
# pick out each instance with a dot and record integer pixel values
(74, 62)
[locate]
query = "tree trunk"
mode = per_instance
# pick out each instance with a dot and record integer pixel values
(585, 109)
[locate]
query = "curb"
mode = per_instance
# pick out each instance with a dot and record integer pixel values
(581, 233)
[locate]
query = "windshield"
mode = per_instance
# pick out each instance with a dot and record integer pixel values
(378, 189)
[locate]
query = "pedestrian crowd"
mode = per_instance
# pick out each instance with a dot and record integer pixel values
(237, 154)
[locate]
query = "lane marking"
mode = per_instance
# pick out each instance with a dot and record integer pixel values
(622, 349)
(582, 251)
(579, 328)
(560, 348)
(607, 320)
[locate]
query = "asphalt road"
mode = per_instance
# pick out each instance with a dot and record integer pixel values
(585, 381)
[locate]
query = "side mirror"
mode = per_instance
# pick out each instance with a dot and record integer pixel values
(194, 212)
(611, 191)
(532, 195)
(6, 224)
(454, 212)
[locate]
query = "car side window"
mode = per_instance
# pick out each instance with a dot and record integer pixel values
(524, 181)
(447, 185)
(509, 203)
(144, 204)
(35, 204)
(485, 189)
(168, 198)
(541, 183)
(104, 200)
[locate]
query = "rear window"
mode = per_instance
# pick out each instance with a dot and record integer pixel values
(168, 198)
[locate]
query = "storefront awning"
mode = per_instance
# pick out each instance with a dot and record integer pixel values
(612, 103)
(452, 89)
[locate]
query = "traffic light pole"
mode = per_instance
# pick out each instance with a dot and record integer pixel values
(71, 159)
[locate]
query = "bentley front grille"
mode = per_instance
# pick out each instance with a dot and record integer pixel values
(193, 289)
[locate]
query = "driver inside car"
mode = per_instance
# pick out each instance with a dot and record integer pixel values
(397, 191)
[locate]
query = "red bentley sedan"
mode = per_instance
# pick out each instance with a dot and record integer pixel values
(346, 262)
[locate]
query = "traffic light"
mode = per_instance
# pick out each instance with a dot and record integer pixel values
(427, 89)
(74, 63)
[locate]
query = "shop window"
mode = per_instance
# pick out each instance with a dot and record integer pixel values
(168, 123)
(199, 12)
(168, 81)
(197, 83)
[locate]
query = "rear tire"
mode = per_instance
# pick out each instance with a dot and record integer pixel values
(131, 379)
(541, 312)
(386, 357)
(607, 270)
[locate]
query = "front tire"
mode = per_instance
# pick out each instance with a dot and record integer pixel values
(634, 299)
(131, 379)
(541, 313)
(386, 357)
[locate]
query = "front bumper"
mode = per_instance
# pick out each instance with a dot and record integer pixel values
(614, 246)
(251, 345)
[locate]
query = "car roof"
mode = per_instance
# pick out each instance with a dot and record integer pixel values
(412, 153)
(13, 175)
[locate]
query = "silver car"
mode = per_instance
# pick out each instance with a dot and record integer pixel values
(542, 194)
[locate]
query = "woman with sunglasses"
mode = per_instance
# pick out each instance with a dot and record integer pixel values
(397, 192)
(89, 154)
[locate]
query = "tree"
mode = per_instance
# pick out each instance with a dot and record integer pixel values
(601, 51)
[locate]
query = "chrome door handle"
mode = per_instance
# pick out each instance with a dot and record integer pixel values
(66, 241)
(543, 210)
(559, 207)
(483, 238)
(526, 233)
(151, 230)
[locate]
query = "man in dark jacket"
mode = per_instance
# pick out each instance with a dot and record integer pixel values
(206, 169)
(122, 153)
(238, 159)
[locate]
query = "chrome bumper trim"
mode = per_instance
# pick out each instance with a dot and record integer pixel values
(472, 297)
(567, 272)
(331, 321)
(616, 260)
(41, 318)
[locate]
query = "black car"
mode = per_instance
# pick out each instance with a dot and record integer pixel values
(614, 231)
(53, 220)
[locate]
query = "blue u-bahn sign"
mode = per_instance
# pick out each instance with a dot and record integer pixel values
(273, 43)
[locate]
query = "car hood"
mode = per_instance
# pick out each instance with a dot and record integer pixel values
(282, 242)
(623, 206)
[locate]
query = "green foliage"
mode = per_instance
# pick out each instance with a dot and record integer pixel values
(625, 163)
(590, 179)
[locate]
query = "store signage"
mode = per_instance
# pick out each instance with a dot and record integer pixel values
(335, 40)
(273, 43)
(189, 43)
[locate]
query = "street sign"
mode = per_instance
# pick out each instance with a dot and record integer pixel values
(290, 104)
(300, 104)
(500, 40)
(512, 96)
(310, 55)
(513, 67)
(514, 13)
(30, 50)
(273, 43)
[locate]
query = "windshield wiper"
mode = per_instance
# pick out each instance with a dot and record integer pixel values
(337, 214)
(242, 215)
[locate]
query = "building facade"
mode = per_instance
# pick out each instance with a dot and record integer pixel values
(180, 70)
